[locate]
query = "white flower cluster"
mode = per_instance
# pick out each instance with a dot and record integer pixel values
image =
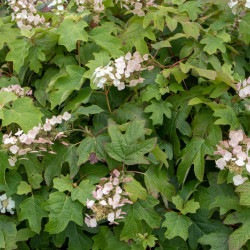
(95, 5)
(36, 140)
(235, 155)
(18, 90)
(235, 4)
(137, 7)
(244, 88)
(122, 70)
(58, 4)
(109, 198)
(6, 204)
(25, 13)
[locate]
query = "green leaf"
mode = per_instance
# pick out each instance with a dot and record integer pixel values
(241, 235)
(62, 210)
(191, 29)
(102, 36)
(160, 155)
(141, 210)
(77, 239)
(6, 97)
(24, 113)
(206, 195)
(152, 92)
(52, 163)
(126, 147)
(201, 225)
(4, 164)
(33, 169)
(102, 238)
(145, 240)
(70, 32)
(35, 57)
(161, 44)
(213, 43)
(63, 86)
(217, 241)
(194, 154)
(156, 181)
(192, 8)
(244, 190)
(158, 110)
(86, 147)
(7, 229)
(24, 234)
(177, 225)
(31, 210)
(225, 203)
(135, 34)
(189, 206)
(18, 53)
(156, 17)
(107, 240)
(90, 110)
(227, 117)
(8, 34)
(83, 192)
(83, 96)
(23, 188)
(244, 27)
(63, 183)
(94, 172)
(136, 190)
(12, 180)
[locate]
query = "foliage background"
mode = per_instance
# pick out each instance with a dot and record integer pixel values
(188, 102)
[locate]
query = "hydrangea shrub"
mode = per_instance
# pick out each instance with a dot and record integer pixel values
(124, 124)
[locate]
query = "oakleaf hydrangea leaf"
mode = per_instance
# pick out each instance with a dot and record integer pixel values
(62, 210)
(7, 229)
(136, 190)
(213, 43)
(83, 192)
(177, 225)
(24, 113)
(127, 147)
(158, 110)
(31, 210)
(70, 32)
(63, 183)
(141, 210)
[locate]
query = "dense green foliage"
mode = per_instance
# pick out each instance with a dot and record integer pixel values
(161, 131)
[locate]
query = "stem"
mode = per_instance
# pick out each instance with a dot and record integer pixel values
(107, 98)
(78, 51)
(101, 131)
(170, 66)
(185, 84)
(136, 172)
(99, 92)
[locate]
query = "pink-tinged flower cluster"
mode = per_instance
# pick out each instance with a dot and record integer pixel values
(244, 88)
(237, 5)
(137, 7)
(25, 13)
(96, 7)
(235, 155)
(109, 198)
(18, 90)
(123, 70)
(57, 6)
(37, 140)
